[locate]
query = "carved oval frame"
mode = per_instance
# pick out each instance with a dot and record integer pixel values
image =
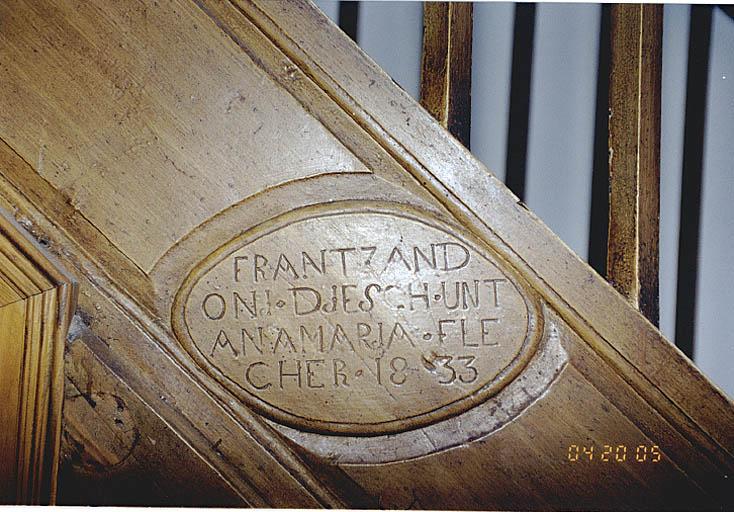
(534, 330)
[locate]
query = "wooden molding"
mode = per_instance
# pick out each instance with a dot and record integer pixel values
(37, 301)
(135, 209)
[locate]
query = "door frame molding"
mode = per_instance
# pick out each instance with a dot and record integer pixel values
(37, 302)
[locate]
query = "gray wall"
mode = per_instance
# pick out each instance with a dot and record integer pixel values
(560, 138)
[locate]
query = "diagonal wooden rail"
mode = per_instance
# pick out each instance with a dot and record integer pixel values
(634, 127)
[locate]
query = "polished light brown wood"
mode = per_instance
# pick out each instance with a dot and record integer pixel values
(634, 154)
(229, 180)
(37, 301)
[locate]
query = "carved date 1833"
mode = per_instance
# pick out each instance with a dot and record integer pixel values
(360, 322)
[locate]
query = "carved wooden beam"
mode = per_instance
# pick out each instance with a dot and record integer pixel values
(420, 338)
(37, 301)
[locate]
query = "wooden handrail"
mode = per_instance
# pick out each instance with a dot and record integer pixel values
(634, 129)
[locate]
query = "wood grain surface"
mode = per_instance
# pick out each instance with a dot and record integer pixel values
(634, 154)
(446, 61)
(37, 300)
(604, 413)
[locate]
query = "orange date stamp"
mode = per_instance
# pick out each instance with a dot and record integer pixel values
(619, 453)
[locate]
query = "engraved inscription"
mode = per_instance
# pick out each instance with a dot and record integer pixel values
(360, 322)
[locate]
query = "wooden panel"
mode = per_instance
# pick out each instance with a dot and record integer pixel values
(151, 98)
(420, 268)
(634, 154)
(32, 332)
(131, 456)
(597, 311)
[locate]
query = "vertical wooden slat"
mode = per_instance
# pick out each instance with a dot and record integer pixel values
(690, 202)
(519, 115)
(446, 65)
(349, 18)
(634, 154)
(599, 217)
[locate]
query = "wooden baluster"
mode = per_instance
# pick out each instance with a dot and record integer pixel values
(349, 18)
(634, 154)
(37, 301)
(689, 234)
(518, 122)
(446, 65)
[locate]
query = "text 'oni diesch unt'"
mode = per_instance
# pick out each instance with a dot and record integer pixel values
(357, 322)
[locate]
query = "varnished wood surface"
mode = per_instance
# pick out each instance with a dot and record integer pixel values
(602, 375)
(446, 65)
(634, 154)
(131, 456)
(37, 299)
(511, 222)
(200, 111)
